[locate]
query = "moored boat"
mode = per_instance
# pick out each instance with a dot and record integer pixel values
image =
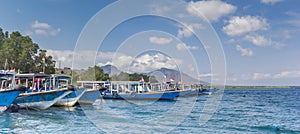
(189, 92)
(71, 99)
(186, 90)
(40, 93)
(138, 91)
(163, 95)
(8, 91)
(93, 92)
(208, 91)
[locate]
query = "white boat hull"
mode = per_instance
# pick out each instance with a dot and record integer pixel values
(71, 99)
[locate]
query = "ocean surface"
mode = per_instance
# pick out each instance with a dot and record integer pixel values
(257, 111)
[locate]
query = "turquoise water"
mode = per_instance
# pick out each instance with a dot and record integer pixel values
(240, 111)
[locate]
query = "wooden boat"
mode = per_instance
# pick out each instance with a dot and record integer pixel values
(8, 91)
(40, 93)
(93, 92)
(138, 91)
(71, 99)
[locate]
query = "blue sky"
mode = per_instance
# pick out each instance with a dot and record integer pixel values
(260, 38)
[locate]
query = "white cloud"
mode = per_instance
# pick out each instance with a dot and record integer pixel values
(40, 25)
(147, 62)
(270, 1)
(288, 74)
(257, 76)
(44, 29)
(186, 30)
(191, 68)
(55, 32)
(119, 60)
(294, 22)
(295, 18)
(182, 46)
(159, 10)
(143, 63)
(84, 59)
(206, 75)
(261, 41)
(244, 51)
(40, 32)
(268, 76)
(258, 40)
(279, 45)
(212, 10)
(287, 34)
(245, 24)
(238, 77)
(63, 58)
(207, 46)
(231, 40)
(160, 40)
(100, 64)
(281, 75)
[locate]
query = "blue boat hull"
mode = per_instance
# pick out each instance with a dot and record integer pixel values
(208, 91)
(41, 100)
(72, 98)
(89, 97)
(189, 93)
(170, 95)
(7, 98)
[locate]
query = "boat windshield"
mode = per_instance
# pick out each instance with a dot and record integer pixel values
(7, 80)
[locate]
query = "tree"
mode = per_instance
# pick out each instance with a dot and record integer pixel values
(123, 76)
(94, 73)
(2, 37)
(20, 53)
(138, 77)
(49, 63)
(74, 75)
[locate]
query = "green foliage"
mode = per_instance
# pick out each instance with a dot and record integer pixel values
(49, 63)
(137, 77)
(130, 77)
(94, 74)
(20, 53)
(121, 77)
(74, 75)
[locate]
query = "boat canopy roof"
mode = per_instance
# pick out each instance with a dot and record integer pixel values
(3, 78)
(31, 75)
(125, 82)
(61, 76)
(5, 73)
(92, 82)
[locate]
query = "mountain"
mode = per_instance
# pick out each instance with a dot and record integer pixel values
(164, 73)
(176, 76)
(111, 70)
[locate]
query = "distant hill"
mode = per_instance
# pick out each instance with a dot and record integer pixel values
(111, 70)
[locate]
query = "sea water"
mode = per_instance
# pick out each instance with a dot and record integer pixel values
(239, 111)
